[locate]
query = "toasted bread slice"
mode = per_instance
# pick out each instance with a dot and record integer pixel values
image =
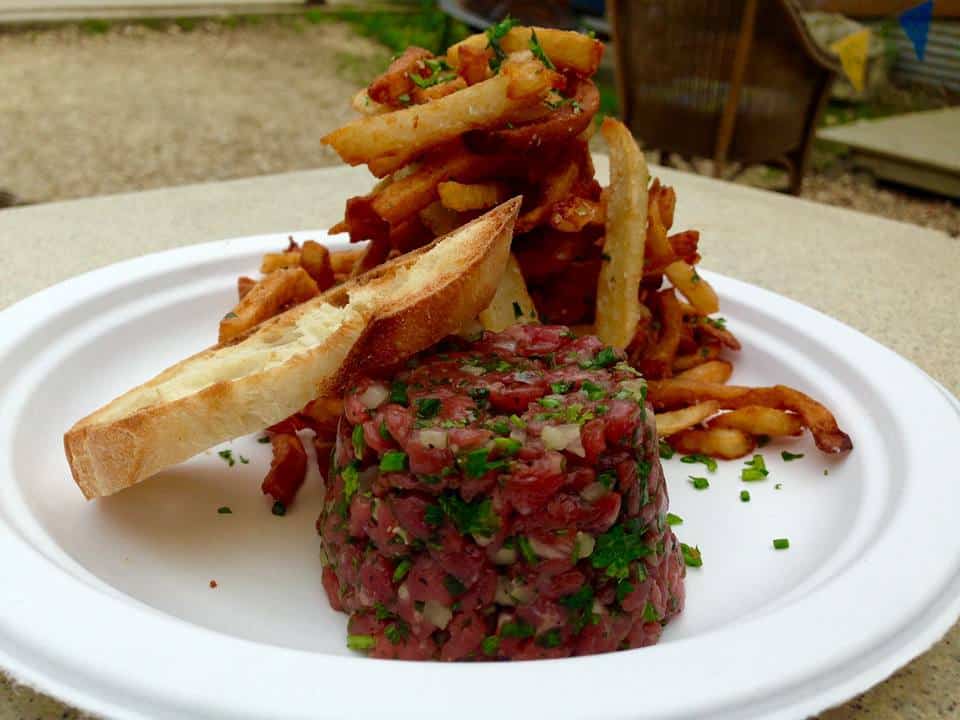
(271, 372)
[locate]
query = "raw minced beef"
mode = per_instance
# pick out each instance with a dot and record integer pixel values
(501, 499)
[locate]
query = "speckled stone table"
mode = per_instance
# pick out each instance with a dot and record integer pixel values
(895, 282)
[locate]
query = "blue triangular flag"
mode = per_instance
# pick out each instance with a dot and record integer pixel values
(916, 24)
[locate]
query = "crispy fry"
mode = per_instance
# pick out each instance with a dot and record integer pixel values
(569, 51)
(414, 129)
(672, 422)
(474, 63)
(716, 371)
(411, 234)
(512, 302)
(760, 420)
(716, 330)
(395, 82)
(827, 435)
(659, 252)
(619, 283)
(342, 261)
(657, 362)
(573, 213)
(362, 220)
(324, 448)
(435, 92)
(476, 196)
(244, 285)
(439, 219)
(288, 469)
(704, 353)
(315, 259)
(556, 186)
(374, 254)
(278, 261)
(365, 106)
(277, 290)
(697, 290)
(724, 443)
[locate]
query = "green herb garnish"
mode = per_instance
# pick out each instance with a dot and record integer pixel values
(744, 496)
(781, 543)
(650, 613)
(224, 510)
(708, 461)
(550, 639)
(788, 456)
(603, 359)
(617, 548)
(359, 444)
(490, 645)
(398, 393)
(393, 461)
(537, 49)
(428, 408)
(473, 518)
(526, 549)
(593, 391)
(560, 388)
(666, 452)
(691, 555)
(351, 481)
(397, 632)
(227, 455)
(517, 310)
(360, 642)
(700, 483)
(674, 519)
(496, 33)
(401, 570)
(754, 470)
(518, 629)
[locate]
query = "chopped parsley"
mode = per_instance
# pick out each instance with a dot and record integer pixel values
(708, 461)
(506, 446)
(550, 639)
(243, 460)
(603, 359)
(401, 570)
(393, 461)
(526, 549)
(263, 440)
(719, 323)
(360, 642)
(473, 518)
(691, 555)
(404, 99)
(517, 310)
(826, 471)
(359, 444)
(224, 510)
(518, 422)
(674, 519)
(744, 496)
(490, 645)
(383, 431)
(700, 483)
(279, 509)
(754, 470)
(560, 388)
(500, 427)
(580, 600)
(496, 33)
(781, 543)
(230, 316)
(227, 455)
(519, 629)
(397, 632)
(650, 613)
(778, 486)
(428, 408)
(666, 452)
(433, 516)
(454, 586)
(398, 393)
(537, 49)
(617, 548)
(477, 465)
(439, 73)
(788, 456)
(607, 478)
(593, 391)
(351, 481)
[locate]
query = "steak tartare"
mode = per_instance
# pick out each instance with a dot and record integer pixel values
(501, 499)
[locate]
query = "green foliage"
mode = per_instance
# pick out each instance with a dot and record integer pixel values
(427, 27)
(95, 26)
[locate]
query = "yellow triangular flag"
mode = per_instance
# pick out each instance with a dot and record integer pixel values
(853, 56)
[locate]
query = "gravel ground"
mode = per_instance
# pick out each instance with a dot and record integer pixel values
(134, 108)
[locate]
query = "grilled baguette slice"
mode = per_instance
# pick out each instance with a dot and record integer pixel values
(313, 349)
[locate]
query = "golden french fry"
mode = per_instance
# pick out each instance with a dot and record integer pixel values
(697, 290)
(278, 261)
(365, 106)
(657, 361)
(265, 299)
(715, 371)
(315, 259)
(555, 186)
(475, 196)
(723, 443)
(672, 422)
(414, 129)
(574, 213)
(704, 353)
(618, 306)
(439, 219)
(342, 261)
(512, 302)
(566, 49)
(244, 285)
(760, 420)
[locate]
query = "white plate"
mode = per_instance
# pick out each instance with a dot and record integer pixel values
(108, 606)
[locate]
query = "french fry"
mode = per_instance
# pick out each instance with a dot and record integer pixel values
(473, 63)
(724, 443)
(374, 254)
(685, 278)
(244, 285)
(657, 362)
(659, 252)
(717, 330)
(556, 186)
(677, 392)
(365, 106)
(670, 423)
(619, 284)
(512, 302)
(704, 353)
(315, 259)
(475, 196)
(714, 371)
(435, 92)
(439, 219)
(573, 213)
(395, 82)
(567, 50)
(414, 129)
(289, 286)
(278, 261)
(342, 261)
(759, 420)
(288, 469)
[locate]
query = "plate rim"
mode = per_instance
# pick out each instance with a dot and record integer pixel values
(134, 269)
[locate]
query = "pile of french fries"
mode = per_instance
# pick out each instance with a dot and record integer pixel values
(510, 112)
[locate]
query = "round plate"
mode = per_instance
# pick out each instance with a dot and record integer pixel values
(109, 604)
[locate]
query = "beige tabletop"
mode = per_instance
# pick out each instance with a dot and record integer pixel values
(897, 283)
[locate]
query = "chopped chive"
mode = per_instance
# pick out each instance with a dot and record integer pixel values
(778, 486)
(700, 483)
(398, 392)
(393, 461)
(360, 642)
(526, 550)
(279, 509)
(263, 440)
(650, 613)
(227, 455)
(243, 460)
(781, 543)
(490, 645)
(666, 452)
(674, 519)
(788, 456)
(708, 461)
(560, 388)
(427, 408)
(744, 496)
(225, 510)
(359, 444)
(826, 472)
(401, 570)
(754, 470)
(691, 555)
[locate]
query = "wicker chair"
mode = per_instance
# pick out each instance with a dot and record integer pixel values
(731, 80)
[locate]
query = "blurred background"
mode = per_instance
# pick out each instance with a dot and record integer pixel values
(111, 96)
